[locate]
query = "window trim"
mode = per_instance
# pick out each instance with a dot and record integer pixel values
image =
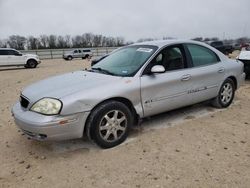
(191, 59)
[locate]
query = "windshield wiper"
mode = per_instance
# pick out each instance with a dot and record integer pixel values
(103, 71)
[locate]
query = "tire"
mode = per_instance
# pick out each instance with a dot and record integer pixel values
(109, 123)
(31, 64)
(86, 56)
(69, 58)
(225, 95)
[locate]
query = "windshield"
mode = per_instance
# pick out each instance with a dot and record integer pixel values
(125, 61)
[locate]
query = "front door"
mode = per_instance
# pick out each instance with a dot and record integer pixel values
(169, 90)
(15, 58)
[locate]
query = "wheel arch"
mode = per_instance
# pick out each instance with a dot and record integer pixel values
(31, 59)
(123, 100)
(233, 78)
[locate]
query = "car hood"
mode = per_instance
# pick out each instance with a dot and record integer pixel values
(66, 84)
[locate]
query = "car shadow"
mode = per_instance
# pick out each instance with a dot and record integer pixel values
(11, 69)
(161, 121)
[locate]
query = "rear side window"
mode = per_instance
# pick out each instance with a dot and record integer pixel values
(201, 55)
(4, 52)
(86, 50)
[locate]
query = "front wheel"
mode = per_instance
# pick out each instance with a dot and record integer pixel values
(69, 58)
(225, 95)
(109, 124)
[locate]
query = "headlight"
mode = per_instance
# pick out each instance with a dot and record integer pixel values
(47, 106)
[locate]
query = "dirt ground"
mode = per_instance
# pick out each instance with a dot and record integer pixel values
(197, 146)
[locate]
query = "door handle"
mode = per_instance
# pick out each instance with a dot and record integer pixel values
(186, 77)
(221, 70)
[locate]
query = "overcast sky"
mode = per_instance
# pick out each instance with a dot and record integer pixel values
(132, 19)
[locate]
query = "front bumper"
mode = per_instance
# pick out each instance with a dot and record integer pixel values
(41, 127)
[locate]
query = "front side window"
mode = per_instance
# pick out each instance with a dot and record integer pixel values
(171, 58)
(75, 52)
(11, 52)
(201, 55)
(126, 61)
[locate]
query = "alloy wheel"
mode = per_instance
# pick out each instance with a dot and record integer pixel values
(112, 126)
(226, 93)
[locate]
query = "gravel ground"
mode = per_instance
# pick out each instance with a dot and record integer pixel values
(196, 146)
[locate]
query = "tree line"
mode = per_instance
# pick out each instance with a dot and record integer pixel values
(85, 40)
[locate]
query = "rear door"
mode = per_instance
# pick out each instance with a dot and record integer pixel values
(4, 58)
(207, 73)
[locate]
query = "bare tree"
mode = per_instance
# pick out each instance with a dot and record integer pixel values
(33, 43)
(17, 42)
(3, 44)
(77, 41)
(44, 42)
(61, 42)
(52, 39)
(68, 41)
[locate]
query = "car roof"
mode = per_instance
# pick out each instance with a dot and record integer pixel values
(162, 43)
(7, 49)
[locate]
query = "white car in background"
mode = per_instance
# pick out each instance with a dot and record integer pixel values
(12, 57)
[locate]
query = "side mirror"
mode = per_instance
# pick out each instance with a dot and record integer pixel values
(157, 69)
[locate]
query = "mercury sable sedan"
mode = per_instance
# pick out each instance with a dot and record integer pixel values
(134, 82)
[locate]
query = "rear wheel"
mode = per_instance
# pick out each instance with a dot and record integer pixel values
(109, 124)
(31, 64)
(225, 95)
(70, 58)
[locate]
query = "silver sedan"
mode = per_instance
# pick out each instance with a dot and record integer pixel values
(134, 82)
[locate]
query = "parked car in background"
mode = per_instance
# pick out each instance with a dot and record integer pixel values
(134, 82)
(244, 56)
(12, 57)
(77, 53)
(219, 45)
(237, 46)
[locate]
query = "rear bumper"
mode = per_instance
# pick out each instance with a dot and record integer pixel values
(241, 79)
(41, 127)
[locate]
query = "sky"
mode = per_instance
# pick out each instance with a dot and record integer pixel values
(131, 19)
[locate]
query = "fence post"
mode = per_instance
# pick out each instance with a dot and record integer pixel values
(51, 55)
